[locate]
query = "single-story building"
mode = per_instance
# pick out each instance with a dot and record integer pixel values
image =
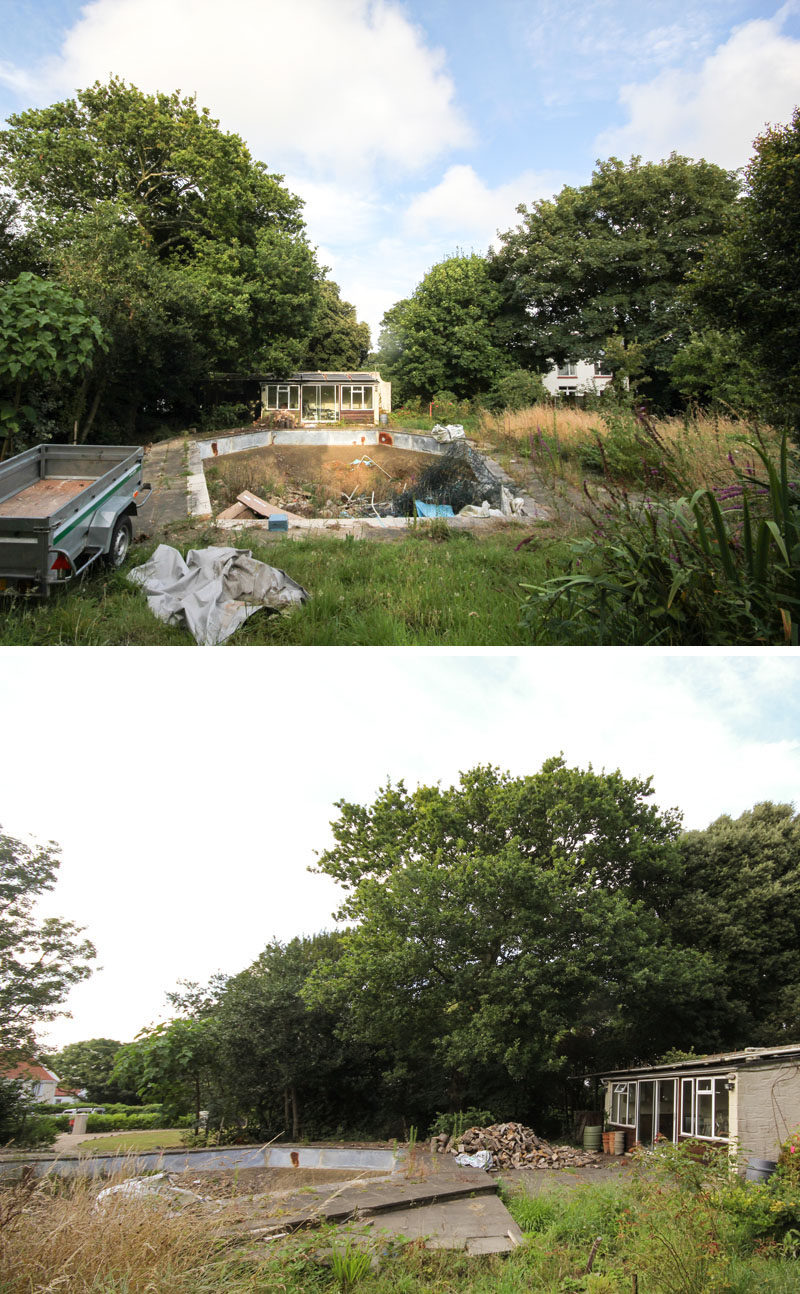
(750, 1098)
(581, 377)
(38, 1081)
(315, 398)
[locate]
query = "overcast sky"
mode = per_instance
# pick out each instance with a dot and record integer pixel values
(189, 789)
(413, 130)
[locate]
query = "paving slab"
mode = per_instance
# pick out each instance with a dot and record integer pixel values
(480, 1224)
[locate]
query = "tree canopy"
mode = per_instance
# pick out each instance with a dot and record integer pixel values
(750, 279)
(40, 958)
(506, 927)
(444, 337)
(609, 259)
(192, 256)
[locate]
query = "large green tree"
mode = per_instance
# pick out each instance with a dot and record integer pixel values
(40, 957)
(175, 1063)
(192, 255)
(445, 336)
(750, 279)
(738, 901)
(509, 928)
(608, 260)
(338, 340)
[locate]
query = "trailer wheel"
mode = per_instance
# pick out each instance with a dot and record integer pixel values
(120, 542)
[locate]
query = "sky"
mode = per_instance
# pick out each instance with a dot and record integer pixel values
(190, 789)
(414, 130)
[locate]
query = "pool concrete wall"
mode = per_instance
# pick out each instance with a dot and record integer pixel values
(207, 1159)
(221, 445)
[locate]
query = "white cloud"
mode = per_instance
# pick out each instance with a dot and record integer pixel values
(337, 88)
(462, 206)
(716, 111)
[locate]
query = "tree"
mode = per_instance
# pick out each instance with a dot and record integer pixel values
(445, 336)
(89, 1066)
(738, 902)
(46, 336)
(40, 960)
(175, 1063)
(338, 340)
(192, 255)
(507, 928)
(750, 280)
(285, 1066)
(609, 259)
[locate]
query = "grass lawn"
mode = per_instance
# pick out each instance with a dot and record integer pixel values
(148, 1139)
(433, 587)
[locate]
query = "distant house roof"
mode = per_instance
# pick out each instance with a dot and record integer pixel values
(31, 1071)
(732, 1059)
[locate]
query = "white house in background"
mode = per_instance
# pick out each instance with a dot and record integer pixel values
(313, 398)
(578, 377)
(40, 1082)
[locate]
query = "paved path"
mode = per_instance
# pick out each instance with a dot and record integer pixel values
(166, 467)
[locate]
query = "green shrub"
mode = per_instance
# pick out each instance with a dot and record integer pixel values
(625, 453)
(518, 390)
(458, 1121)
(716, 568)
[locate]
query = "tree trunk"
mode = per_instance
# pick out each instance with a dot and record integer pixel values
(87, 426)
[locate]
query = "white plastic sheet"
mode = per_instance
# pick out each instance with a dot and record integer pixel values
(214, 590)
(481, 1159)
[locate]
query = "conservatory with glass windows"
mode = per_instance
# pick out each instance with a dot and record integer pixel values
(317, 398)
(750, 1098)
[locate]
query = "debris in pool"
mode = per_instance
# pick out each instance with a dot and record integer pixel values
(369, 462)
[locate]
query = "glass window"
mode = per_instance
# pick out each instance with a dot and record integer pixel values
(282, 396)
(721, 1117)
(687, 1106)
(356, 397)
(704, 1119)
(568, 370)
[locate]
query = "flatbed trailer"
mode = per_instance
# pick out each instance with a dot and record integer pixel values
(63, 508)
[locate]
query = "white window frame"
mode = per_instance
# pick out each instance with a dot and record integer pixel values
(623, 1101)
(286, 395)
(704, 1085)
(366, 392)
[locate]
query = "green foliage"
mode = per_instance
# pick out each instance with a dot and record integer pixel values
(441, 339)
(88, 1065)
(748, 281)
(623, 454)
(713, 368)
(608, 260)
(505, 928)
(191, 255)
(520, 389)
(40, 960)
(338, 340)
(175, 1062)
(349, 1266)
(717, 568)
(454, 1124)
(46, 337)
(741, 880)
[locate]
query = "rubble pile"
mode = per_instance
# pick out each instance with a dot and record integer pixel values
(512, 1145)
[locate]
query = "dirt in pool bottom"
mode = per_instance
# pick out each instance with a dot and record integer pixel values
(330, 480)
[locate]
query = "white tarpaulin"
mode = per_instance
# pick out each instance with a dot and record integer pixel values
(214, 590)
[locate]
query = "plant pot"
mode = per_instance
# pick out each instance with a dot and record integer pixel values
(608, 1143)
(618, 1147)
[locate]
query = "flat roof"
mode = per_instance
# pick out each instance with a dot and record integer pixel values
(720, 1059)
(322, 377)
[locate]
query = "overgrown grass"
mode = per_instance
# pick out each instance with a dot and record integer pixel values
(570, 444)
(431, 587)
(668, 1228)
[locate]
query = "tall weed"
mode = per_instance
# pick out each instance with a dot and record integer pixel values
(714, 567)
